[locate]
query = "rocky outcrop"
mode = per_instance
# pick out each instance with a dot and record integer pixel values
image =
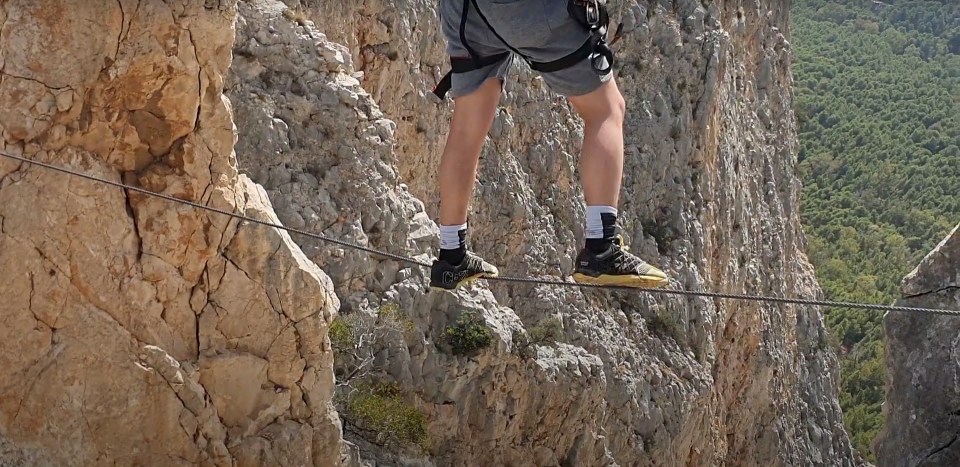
(136, 331)
(336, 121)
(331, 170)
(922, 361)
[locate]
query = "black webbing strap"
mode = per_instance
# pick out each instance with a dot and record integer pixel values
(463, 30)
(594, 48)
(565, 62)
(463, 65)
(443, 87)
(495, 33)
(561, 63)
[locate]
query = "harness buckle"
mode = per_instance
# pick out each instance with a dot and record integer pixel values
(593, 12)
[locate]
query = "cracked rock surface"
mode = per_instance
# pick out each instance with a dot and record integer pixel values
(337, 123)
(922, 360)
(135, 331)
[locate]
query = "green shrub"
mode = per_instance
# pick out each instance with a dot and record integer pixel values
(546, 332)
(389, 314)
(661, 232)
(345, 331)
(381, 408)
(341, 334)
(357, 338)
(664, 327)
(298, 15)
(468, 335)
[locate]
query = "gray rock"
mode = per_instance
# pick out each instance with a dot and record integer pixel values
(922, 361)
(136, 331)
(638, 380)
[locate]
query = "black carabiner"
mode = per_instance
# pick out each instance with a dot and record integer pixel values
(600, 53)
(593, 12)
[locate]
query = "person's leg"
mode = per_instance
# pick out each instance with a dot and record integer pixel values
(601, 163)
(472, 116)
(476, 97)
(604, 260)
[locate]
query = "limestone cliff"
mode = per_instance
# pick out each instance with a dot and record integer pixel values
(336, 121)
(922, 360)
(135, 331)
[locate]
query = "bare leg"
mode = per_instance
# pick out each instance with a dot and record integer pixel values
(601, 166)
(603, 261)
(472, 118)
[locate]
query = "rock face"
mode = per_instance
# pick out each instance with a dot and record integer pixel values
(136, 331)
(922, 359)
(336, 122)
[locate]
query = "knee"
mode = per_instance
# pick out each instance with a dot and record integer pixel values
(614, 109)
(601, 106)
(618, 106)
(608, 107)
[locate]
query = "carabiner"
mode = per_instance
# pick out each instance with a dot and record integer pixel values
(593, 12)
(602, 59)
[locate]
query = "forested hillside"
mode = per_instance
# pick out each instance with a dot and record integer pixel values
(878, 86)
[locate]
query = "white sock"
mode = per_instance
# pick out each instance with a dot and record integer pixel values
(595, 220)
(450, 236)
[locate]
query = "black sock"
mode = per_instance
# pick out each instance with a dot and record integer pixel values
(599, 245)
(455, 256)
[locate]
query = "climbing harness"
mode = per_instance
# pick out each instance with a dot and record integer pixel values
(591, 14)
(518, 280)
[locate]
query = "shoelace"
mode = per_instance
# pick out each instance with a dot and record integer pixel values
(623, 245)
(474, 262)
(627, 259)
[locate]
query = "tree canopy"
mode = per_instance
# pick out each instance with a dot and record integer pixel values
(878, 103)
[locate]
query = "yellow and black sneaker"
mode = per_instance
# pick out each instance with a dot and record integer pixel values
(446, 276)
(616, 266)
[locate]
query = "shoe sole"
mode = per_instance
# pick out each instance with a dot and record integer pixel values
(621, 281)
(466, 281)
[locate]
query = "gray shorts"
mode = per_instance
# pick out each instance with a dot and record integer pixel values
(540, 29)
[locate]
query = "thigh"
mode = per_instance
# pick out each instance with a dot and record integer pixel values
(521, 23)
(578, 80)
(565, 36)
(473, 34)
(465, 34)
(542, 30)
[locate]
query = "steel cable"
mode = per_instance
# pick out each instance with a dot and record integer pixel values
(507, 279)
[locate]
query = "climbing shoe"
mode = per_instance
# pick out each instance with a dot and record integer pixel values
(446, 276)
(616, 266)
